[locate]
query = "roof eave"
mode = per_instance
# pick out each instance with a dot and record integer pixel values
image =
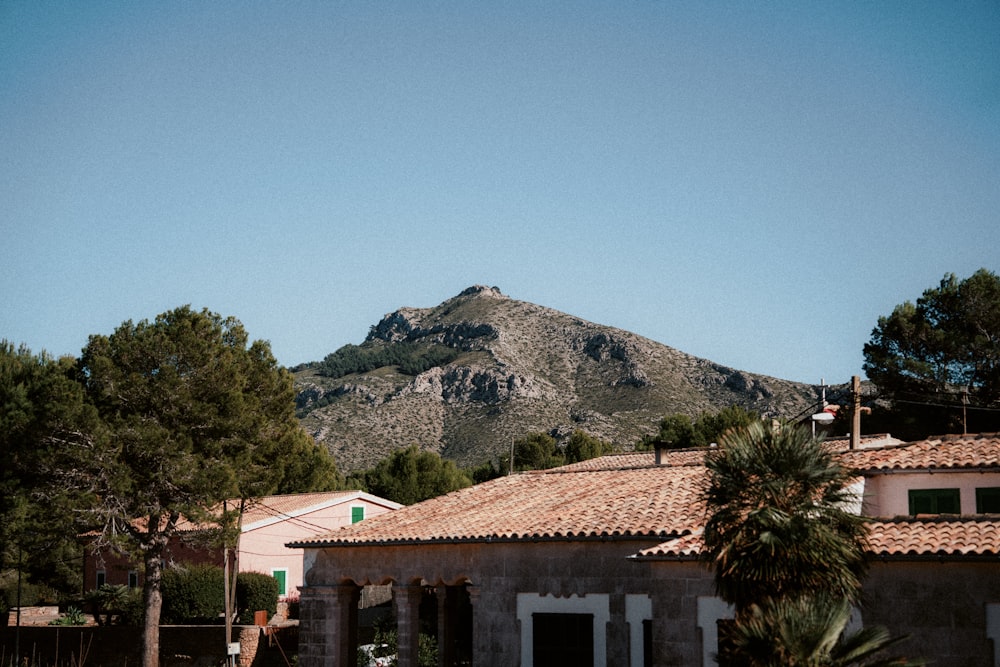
(492, 539)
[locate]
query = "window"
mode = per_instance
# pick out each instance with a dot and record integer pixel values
(281, 574)
(934, 501)
(566, 640)
(582, 620)
(357, 514)
(988, 500)
(133, 579)
(102, 578)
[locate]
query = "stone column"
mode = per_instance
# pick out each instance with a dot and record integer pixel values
(406, 601)
(448, 609)
(481, 650)
(329, 626)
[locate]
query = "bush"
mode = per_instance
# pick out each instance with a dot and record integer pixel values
(193, 594)
(73, 616)
(386, 645)
(106, 602)
(133, 612)
(32, 595)
(255, 591)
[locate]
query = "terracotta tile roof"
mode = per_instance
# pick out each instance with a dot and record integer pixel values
(949, 451)
(675, 457)
(609, 497)
(685, 547)
(843, 443)
(629, 495)
(936, 536)
(904, 537)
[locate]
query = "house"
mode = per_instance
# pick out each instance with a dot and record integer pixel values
(268, 524)
(596, 563)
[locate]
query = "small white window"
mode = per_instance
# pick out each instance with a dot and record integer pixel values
(102, 578)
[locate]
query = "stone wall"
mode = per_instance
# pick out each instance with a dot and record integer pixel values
(503, 577)
(180, 646)
(941, 605)
(950, 610)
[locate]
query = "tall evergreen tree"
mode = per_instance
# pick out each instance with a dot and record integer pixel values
(190, 414)
(42, 408)
(941, 354)
(408, 476)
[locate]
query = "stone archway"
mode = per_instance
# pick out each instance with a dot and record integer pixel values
(330, 620)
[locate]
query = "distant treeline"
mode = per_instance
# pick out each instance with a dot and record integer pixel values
(409, 358)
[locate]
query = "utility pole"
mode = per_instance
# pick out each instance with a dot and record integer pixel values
(965, 403)
(822, 404)
(855, 412)
(17, 629)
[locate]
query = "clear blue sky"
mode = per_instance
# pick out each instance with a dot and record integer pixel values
(753, 183)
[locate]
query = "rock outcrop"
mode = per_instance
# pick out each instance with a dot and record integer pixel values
(515, 368)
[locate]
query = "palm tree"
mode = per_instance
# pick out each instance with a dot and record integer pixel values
(779, 524)
(807, 632)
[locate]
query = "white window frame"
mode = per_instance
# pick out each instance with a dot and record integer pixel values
(99, 576)
(596, 604)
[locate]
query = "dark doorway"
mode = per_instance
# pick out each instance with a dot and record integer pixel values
(647, 644)
(563, 640)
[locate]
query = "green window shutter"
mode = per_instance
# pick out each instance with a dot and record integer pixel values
(935, 501)
(988, 500)
(357, 514)
(282, 577)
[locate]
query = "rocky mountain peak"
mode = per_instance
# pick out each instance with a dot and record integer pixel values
(464, 377)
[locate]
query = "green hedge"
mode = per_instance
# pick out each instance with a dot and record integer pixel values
(256, 591)
(193, 594)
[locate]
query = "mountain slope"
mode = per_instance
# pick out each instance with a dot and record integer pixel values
(509, 368)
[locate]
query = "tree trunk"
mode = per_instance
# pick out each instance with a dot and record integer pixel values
(152, 598)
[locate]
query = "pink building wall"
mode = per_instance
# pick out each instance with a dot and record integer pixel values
(262, 545)
(887, 495)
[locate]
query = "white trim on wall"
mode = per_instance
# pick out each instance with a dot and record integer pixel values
(710, 611)
(638, 608)
(533, 603)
